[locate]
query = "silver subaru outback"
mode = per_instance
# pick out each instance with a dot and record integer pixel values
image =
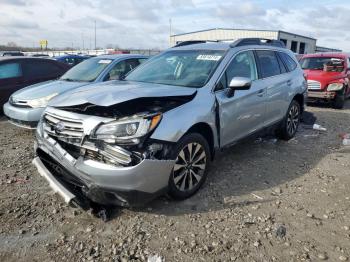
(126, 142)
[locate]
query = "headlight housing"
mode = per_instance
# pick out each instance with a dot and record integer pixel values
(128, 131)
(42, 101)
(335, 87)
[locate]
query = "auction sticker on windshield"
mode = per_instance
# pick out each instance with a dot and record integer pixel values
(209, 57)
(104, 61)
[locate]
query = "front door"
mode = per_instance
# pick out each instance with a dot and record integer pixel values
(244, 112)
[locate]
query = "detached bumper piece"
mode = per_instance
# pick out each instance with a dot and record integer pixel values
(54, 183)
(314, 95)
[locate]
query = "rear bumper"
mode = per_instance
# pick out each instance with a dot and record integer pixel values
(321, 95)
(23, 117)
(99, 182)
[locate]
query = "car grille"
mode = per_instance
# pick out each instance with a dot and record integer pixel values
(66, 129)
(313, 85)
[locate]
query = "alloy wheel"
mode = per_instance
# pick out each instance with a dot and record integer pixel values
(189, 166)
(293, 119)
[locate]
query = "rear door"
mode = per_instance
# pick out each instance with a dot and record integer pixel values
(11, 79)
(244, 112)
(39, 70)
(274, 76)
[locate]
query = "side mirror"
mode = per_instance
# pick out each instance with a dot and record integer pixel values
(239, 83)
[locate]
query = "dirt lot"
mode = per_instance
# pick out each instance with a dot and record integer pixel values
(264, 200)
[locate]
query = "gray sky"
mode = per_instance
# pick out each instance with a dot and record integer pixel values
(145, 23)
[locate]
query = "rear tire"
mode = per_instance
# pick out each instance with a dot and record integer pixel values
(192, 154)
(290, 123)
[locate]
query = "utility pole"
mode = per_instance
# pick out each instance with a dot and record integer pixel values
(95, 36)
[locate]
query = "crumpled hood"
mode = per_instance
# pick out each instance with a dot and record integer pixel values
(114, 92)
(323, 77)
(45, 89)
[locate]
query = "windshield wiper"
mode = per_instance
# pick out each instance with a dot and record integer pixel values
(68, 79)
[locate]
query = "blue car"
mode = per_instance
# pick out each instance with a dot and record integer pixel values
(71, 60)
(25, 106)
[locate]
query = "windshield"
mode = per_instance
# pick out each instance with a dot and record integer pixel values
(328, 64)
(190, 68)
(86, 71)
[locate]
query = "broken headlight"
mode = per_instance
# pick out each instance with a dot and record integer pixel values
(128, 131)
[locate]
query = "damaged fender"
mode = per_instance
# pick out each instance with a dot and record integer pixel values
(178, 121)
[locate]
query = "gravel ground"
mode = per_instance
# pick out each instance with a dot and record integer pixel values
(264, 200)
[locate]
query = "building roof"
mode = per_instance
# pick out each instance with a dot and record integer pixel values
(240, 29)
(329, 48)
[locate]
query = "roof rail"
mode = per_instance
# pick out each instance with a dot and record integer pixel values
(193, 42)
(257, 41)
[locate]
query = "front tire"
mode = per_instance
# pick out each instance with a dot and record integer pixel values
(192, 155)
(289, 125)
(339, 100)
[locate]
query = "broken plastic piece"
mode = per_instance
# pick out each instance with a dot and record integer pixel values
(319, 127)
(155, 258)
(256, 196)
(346, 141)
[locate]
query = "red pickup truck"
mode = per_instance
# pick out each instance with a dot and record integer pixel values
(328, 76)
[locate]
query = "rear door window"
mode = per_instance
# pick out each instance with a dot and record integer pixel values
(268, 63)
(10, 70)
(288, 61)
(40, 68)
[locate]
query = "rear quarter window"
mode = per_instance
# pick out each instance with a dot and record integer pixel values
(288, 61)
(10, 70)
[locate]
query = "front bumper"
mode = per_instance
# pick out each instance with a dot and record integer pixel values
(321, 95)
(25, 117)
(101, 183)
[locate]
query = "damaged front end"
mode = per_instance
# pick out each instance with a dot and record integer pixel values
(105, 154)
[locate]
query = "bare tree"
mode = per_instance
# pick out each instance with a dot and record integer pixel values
(11, 44)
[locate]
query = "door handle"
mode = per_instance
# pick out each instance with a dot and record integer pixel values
(261, 93)
(289, 82)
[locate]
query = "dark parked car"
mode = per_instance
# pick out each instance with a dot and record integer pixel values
(71, 60)
(11, 53)
(19, 72)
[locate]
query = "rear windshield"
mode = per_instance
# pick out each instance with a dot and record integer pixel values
(328, 64)
(190, 68)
